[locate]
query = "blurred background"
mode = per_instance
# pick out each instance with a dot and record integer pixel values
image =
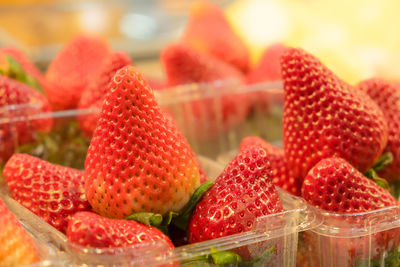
(357, 38)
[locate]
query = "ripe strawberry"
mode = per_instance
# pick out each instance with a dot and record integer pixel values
(324, 116)
(281, 175)
(334, 185)
(269, 68)
(29, 67)
(243, 192)
(19, 103)
(16, 246)
(90, 229)
(135, 161)
(387, 96)
(185, 65)
(51, 191)
(94, 93)
(171, 125)
(208, 30)
(73, 68)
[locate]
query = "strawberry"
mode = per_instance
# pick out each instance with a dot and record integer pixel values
(135, 161)
(94, 93)
(324, 116)
(269, 68)
(28, 66)
(335, 185)
(51, 191)
(281, 175)
(185, 65)
(170, 123)
(19, 103)
(208, 30)
(16, 246)
(243, 192)
(70, 72)
(89, 229)
(387, 96)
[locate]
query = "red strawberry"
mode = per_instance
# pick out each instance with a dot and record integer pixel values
(170, 123)
(27, 65)
(73, 68)
(183, 64)
(90, 229)
(18, 104)
(387, 96)
(334, 185)
(94, 93)
(51, 191)
(324, 116)
(16, 246)
(135, 161)
(243, 192)
(208, 30)
(207, 116)
(281, 175)
(269, 68)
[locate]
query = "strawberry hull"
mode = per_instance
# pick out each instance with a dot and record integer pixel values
(359, 239)
(273, 241)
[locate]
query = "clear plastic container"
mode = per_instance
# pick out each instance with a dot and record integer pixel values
(49, 253)
(361, 239)
(273, 241)
(214, 117)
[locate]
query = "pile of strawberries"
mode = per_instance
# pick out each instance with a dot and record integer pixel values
(142, 181)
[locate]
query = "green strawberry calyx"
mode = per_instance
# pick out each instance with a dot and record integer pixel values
(221, 258)
(383, 161)
(179, 219)
(11, 68)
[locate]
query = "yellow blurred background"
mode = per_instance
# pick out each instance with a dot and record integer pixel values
(357, 38)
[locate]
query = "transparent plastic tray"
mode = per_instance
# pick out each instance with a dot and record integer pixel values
(214, 117)
(360, 239)
(49, 254)
(277, 233)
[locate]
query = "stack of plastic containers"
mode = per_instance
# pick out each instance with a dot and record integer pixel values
(272, 242)
(326, 239)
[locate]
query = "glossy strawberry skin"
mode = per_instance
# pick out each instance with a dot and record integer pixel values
(209, 31)
(135, 161)
(281, 175)
(324, 117)
(387, 96)
(18, 102)
(51, 191)
(93, 95)
(90, 229)
(243, 192)
(72, 68)
(334, 185)
(16, 246)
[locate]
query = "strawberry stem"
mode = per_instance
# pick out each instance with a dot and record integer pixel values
(383, 161)
(371, 174)
(182, 220)
(147, 218)
(223, 258)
